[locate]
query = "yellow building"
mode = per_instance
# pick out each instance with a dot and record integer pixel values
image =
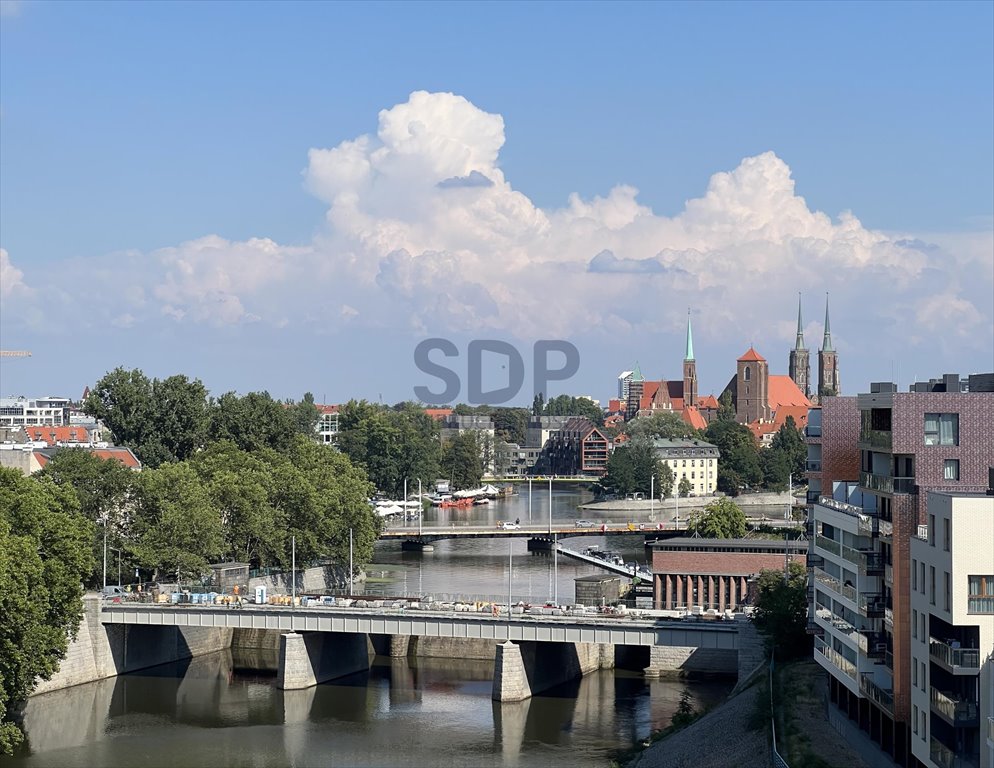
(695, 460)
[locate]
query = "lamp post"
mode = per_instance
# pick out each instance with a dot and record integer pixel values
(790, 496)
(555, 569)
(550, 505)
(652, 498)
(293, 570)
(404, 503)
(115, 549)
(103, 521)
(421, 506)
(510, 570)
(529, 500)
(350, 562)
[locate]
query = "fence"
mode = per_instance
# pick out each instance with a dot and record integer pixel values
(776, 757)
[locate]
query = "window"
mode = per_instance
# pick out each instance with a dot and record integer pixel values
(950, 469)
(914, 627)
(981, 594)
(922, 635)
(941, 429)
(748, 373)
(945, 585)
(931, 530)
(921, 716)
(946, 533)
(921, 580)
(915, 709)
(914, 674)
(931, 594)
(914, 575)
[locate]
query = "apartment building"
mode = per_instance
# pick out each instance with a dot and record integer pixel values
(327, 424)
(878, 463)
(693, 460)
(40, 412)
(952, 632)
(578, 448)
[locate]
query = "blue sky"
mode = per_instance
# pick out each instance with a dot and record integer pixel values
(129, 131)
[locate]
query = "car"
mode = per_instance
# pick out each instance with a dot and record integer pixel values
(584, 524)
(510, 526)
(111, 591)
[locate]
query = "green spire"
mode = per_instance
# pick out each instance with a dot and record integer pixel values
(690, 339)
(800, 326)
(637, 373)
(826, 344)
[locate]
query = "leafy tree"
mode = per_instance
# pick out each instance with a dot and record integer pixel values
(782, 609)
(739, 453)
(685, 713)
(685, 487)
(631, 467)
(538, 405)
(664, 480)
(305, 415)
(161, 421)
(789, 441)
(720, 519)
(252, 422)
(566, 405)
(725, 410)
(103, 489)
(511, 424)
(178, 529)
(665, 424)
(44, 556)
(461, 460)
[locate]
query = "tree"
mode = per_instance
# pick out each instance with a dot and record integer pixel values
(566, 405)
(461, 460)
(685, 713)
(664, 424)
(103, 489)
(790, 441)
(44, 556)
(538, 405)
(305, 415)
(739, 452)
(511, 424)
(632, 467)
(685, 487)
(161, 421)
(782, 610)
(720, 519)
(253, 421)
(664, 481)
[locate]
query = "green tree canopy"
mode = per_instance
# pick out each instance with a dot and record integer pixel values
(720, 519)
(631, 468)
(305, 415)
(782, 609)
(739, 463)
(684, 488)
(664, 424)
(566, 405)
(511, 424)
(160, 420)
(462, 461)
(252, 421)
(45, 553)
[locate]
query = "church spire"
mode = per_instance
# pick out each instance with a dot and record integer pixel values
(826, 344)
(690, 339)
(799, 344)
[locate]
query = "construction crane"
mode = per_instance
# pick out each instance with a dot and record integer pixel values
(14, 353)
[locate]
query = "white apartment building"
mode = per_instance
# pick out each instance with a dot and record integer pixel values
(847, 606)
(952, 633)
(695, 460)
(327, 424)
(40, 412)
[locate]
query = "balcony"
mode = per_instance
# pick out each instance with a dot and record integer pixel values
(889, 619)
(886, 528)
(815, 561)
(811, 497)
(944, 757)
(990, 731)
(839, 661)
(884, 698)
(955, 711)
(886, 483)
(827, 580)
(956, 660)
(829, 545)
(871, 563)
(876, 438)
(873, 644)
(872, 605)
(814, 628)
(812, 431)
(813, 466)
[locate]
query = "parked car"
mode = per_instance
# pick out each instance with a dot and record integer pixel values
(584, 524)
(509, 526)
(112, 591)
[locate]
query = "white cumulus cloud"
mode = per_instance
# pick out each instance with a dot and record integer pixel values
(11, 278)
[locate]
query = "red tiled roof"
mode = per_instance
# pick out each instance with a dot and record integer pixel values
(327, 409)
(657, 393)
(752, 356)
(41, 458)
(438, 413)
(123, 455)
(615, 406)
(53, 435)
(783, 391)
(709, 402)
(693, 417)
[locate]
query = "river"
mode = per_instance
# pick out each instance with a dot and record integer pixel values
(216, 710)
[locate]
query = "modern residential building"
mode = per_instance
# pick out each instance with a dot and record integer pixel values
(716, 574)
(952, 632)
(578, 448)
(695, 460)
(327, 425)
(40, 412)
(541, 428)
(876, 472)
(513, 460)
(624, 378)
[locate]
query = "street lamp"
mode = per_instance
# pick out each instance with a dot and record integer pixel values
(115, 549)
(103, 522)
(652, 498)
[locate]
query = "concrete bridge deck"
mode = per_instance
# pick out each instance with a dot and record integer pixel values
(528, 531)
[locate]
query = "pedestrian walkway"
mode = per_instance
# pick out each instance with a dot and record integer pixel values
(858, 740)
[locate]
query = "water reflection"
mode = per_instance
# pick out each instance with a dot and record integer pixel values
(404, 713)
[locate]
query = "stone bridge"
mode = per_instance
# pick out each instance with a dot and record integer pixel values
(531, 653)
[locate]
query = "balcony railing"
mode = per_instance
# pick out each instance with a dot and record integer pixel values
(828, 545)
(944, 757)
(835, 657)
(873, 691)
(955, 710)
(813, 465)
(871, 563)
(889, 619)
(814, 560)
(842, 506)
(886, 528)
(955, 659)
(886, 483)
(990, 730)
(873, 644)
(876, 438)
(872, 605)
(829, 581)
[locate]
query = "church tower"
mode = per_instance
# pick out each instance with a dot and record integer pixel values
(800, 364)
(752, 388)
(689, 369)
(636, 385)
(828, 363)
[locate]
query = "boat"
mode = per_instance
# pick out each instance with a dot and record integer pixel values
(465, 502)
(480, 502)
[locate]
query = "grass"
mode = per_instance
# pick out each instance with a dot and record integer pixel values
(797, 685)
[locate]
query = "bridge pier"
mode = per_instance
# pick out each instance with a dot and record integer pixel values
(540, 544)
(400, 645)
(416, 545)
(309, 658)
(527, 668)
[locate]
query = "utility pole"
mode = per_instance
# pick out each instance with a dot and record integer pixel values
(555, 568)
(293, 570)
(105, 550)
(421, 506)
(529, 499)
(550, 505)
(790, 496)
(350, 562)
(510, 570)
(652, 498)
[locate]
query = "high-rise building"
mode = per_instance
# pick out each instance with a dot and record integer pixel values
(635, 386)
(828, 362)
(624, 379)
(799, 367)
(876, 472)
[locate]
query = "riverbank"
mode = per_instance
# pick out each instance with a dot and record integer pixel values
(745, 501)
